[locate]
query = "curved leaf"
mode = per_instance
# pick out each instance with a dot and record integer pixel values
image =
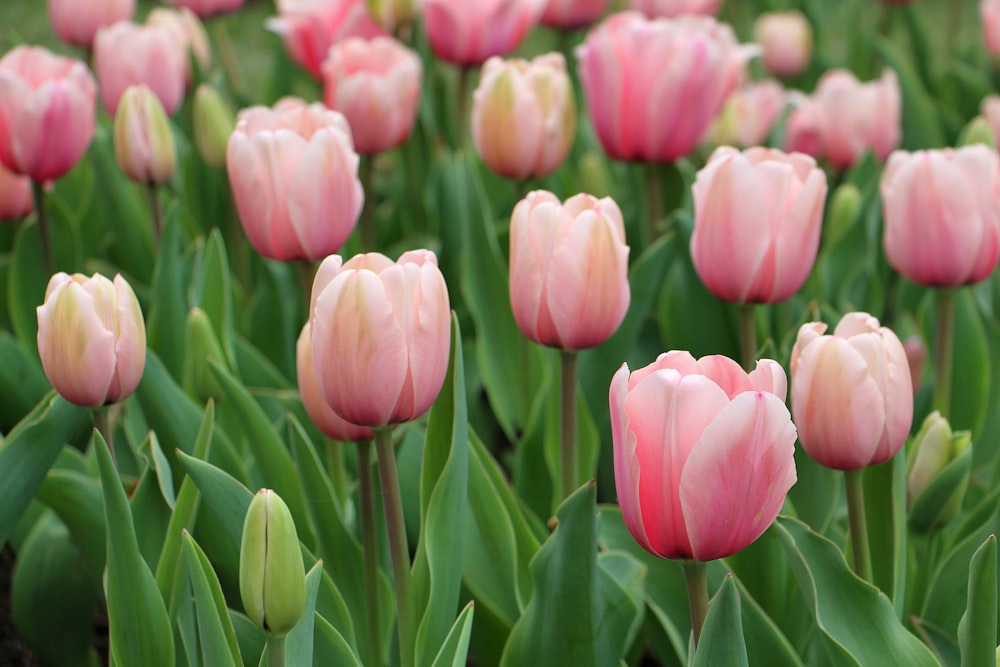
(721, 643)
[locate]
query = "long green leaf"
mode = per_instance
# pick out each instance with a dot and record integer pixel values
(165, 327)
(22, 382)
(454, 651)
(79, 502)
(721, 643)
(215, 629)
(299, 642)
(977, 633)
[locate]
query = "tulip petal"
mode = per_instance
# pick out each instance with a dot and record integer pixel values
(627, 472)
(888, 367)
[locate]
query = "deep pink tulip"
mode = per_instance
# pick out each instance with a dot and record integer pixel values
(381, 336)
(329, 422)
(468, 33)
(671, 8)
(786, 42)
(568, 269)
(989, 13)
(573, 14)
(310, 27)
(750, 113)
(205, 8)
(757, 222)
(942, 214)
(15, 195)
(128, 54)
(47, 112)
(524, 115)
(653, 87)
(77, 21)
(294, 175)
(852, 396)
(703, 453)
(91, 338)
(376, 85)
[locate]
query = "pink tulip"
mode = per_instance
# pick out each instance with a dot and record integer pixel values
(329, 422)
(942, 214)
(310, 27)
(757, 221)
(572, 14)
(381, 336)
(703, 453)
(990, 109)
(568, 269)
(468, 33)
(128, 54)
(76, 22)
(916, 358)
(376, 85)
(15, 195)
(750, 113)
(205, 8)
(91, 338)
(786, 42)
(524, 116)
(802, 130)
(189, 32)
(671, 8)
(46, 112)
(989, 13)
(653, 87)
(294, 175)
(852, 396)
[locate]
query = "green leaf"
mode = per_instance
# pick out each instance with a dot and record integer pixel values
(620, 579)
(331, 647)
(168, 313)
(251, 639)
(977, 633)
(722, 643)
(224, 494)
(213, 285)
(22, 382)
(455, 649)
(77, 500)
(299, 642)
(972, 370)
(215, 629)
(885, 514)
(935, 505)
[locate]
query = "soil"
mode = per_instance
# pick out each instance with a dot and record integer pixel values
(12, 652)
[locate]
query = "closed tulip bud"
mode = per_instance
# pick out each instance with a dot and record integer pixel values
(989, 13)
(91, 338)
(213, 123)
(127, 54)
(942, 215)
(272, 576)
(15, 195)
(189, 32)
(937, 475)
(749, 114)
(977, 131)
(391, 14)
(845, 205)
(671, 8)
(201, 346)
(572, 14)
(76, 22)
(568, 269)
(144, 142)
(703, 453)
(205, 8)
(524, 116)
(786, 41)
(381, 336)
(469, 33)
(852, 396)
(757, 222)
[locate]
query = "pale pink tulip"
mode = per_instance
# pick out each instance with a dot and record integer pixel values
(468, 33)
(376, 85)
(802, 130)
(568, 269)
(524, 116)
(757, 223)
(671, 8)
(989, 13)
(572, 14)
(381, 336)
(942, 214)
(47, 112)
(15, 195)
(77, 21)
(294, 175)
(189, 32)
(127, 54)
(786, 42)
(916, 357)
(852, 396)
(750, 113)
(205, 8)
(91, 338)
(144, 142)
(653, 87)
(703, 453)
(329, 422)
(990, 110)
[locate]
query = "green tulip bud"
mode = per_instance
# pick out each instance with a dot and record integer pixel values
(213, 123)
(272, 575)
(144, 143)
(391, 14)
(845, 204)
(937, 474)
(978, 131)
(202, 345)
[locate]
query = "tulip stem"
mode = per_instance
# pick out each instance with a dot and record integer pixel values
(157, 214)
(368, 209)
(276, 651)
(944, 350)
(696, 578)
(102, 422)
(335, 467)
(461, 100)
(398, 549)
(42, 215)
(369, 536)
(654, 200)
(858, 525)
(748, 336)
(567, 426)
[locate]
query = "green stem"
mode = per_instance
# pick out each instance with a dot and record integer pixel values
(567, 426)
(858, 524)
(954, 20)
(398, 549)
(748, 336)
(462, 106)
(157, 215)
(102, 422)
(276, 651)
(42, 215)
(369, 536)
(944, 348)
(335, 466)
(654, 201)
(696, 578)
(367, 211)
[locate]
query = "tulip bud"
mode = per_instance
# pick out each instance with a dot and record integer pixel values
(15, 195)
(978, 131)
(391, 14)
(202, 345)
(938, 467)
(845, 204)
(272, 576)
(213, 123)
(749, 115)
(786, 38)
(144, 143)
(989, 13)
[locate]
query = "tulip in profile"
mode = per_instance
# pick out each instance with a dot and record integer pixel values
(294, 175)
(144, 142)
(671, 8)
(205, 8)
(703, 453)
(749, 114)
(91, 338)
(786, 42)
(213, 123)
(524, 116)
(989, 13)
(468, 33)
(127, 54)
(76, 22)
(189, 32)
(15, 195)
(572, 14)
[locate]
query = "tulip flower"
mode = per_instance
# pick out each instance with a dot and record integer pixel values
(15, 195)
(76, 22)
(749, 114)
(989, 13)
(189, 32)
(786, 42)
(653, 87)
(144, 142)
(91, 338)
(671, 8)
(376, 85)
(127, 54)
(469, 33)
(391, 14)
(205, 8)
(572, 14)
(213, 123)
(294, 175)
(524, 116)
(46, 112)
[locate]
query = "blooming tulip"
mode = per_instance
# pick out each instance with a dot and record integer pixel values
(127, 54)
(91, 338)
(989, 13)
(671, 8)
(381, 336)
(376, 85)
(942, 214)
(468, 33)
(46, 112)
(572, 14)
(654, 86)
(144, 142)
(329, 422)
(786, 42)
(568, 269)
(76, 22)
(750, 113)
(294, 175)
(15, 195)
(205, 8)
(189, 32)
(757, 221)
(852, 396)
(703, 453)
(524, 116)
